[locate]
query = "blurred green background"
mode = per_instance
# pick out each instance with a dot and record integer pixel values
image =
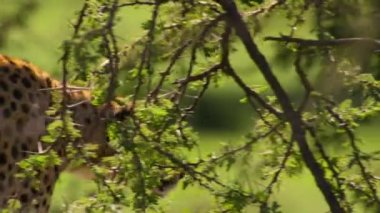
(220, 117)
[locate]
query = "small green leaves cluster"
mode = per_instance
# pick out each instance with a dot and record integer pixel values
(184, 51)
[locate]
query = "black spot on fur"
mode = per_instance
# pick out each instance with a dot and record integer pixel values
(84, 105)
(7, 113)
(5, 144)
(9, 60)
(2, 176)
(32, 76)
(19, 125)
(3, 158)
(44, 202)
(26, 68)
(49, 188)
(87, 121)
(2, 101)
(14, 78)
(13, 106)
(26, 83)
(10, 167)
(25, 108)
(34, 191)
(24, 149)
(17, 94)
(24, 198)
(25, 184)
(3, 85)
(14, 152)
(5, 69)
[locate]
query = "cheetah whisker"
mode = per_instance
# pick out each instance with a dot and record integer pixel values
(67, 88)
(77, 104)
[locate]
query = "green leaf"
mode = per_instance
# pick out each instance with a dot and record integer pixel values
(251, 2)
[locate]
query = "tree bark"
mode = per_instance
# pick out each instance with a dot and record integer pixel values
(293, 117)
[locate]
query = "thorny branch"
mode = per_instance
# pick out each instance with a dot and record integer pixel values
(251, 94)
(266, 9)
(283, 112)
(112, 52)
(112, 64)
(176, 56)
(290, 114)
(308, 90)
(304, 81)
(137, 2)
(145, 62)
(370, 42)
(335, 173)
(356, 152)
(237, 150)
(193, 55)
(276, 176)
(65, 93)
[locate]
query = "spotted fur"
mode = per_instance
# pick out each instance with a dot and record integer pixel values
(25, 95)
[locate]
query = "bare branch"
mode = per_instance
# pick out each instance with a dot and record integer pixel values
(304, 80)
(145, 61)
(356, 153)
(266, 9)
(176, 56)
(137, 2)
(374, 43)
(200, 76)
(291, 115)
(228, 69)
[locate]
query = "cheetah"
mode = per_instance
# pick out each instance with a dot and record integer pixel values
(25, 96)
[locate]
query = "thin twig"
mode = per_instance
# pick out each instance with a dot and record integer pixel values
(356, 152)
(371, 42)
(136, 3)
(293, 117)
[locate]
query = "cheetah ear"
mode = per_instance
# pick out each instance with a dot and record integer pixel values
(114, 111)
(122, 113)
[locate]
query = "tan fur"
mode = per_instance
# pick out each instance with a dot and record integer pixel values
(24, 98)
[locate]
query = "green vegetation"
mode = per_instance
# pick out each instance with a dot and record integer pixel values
(223, 116)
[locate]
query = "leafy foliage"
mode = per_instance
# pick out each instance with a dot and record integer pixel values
(184, 51)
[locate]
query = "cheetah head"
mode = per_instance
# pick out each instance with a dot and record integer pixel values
(93, 122)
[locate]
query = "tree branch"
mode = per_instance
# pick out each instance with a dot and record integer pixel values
(375, 43)
(229, 70)
(291, 115)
